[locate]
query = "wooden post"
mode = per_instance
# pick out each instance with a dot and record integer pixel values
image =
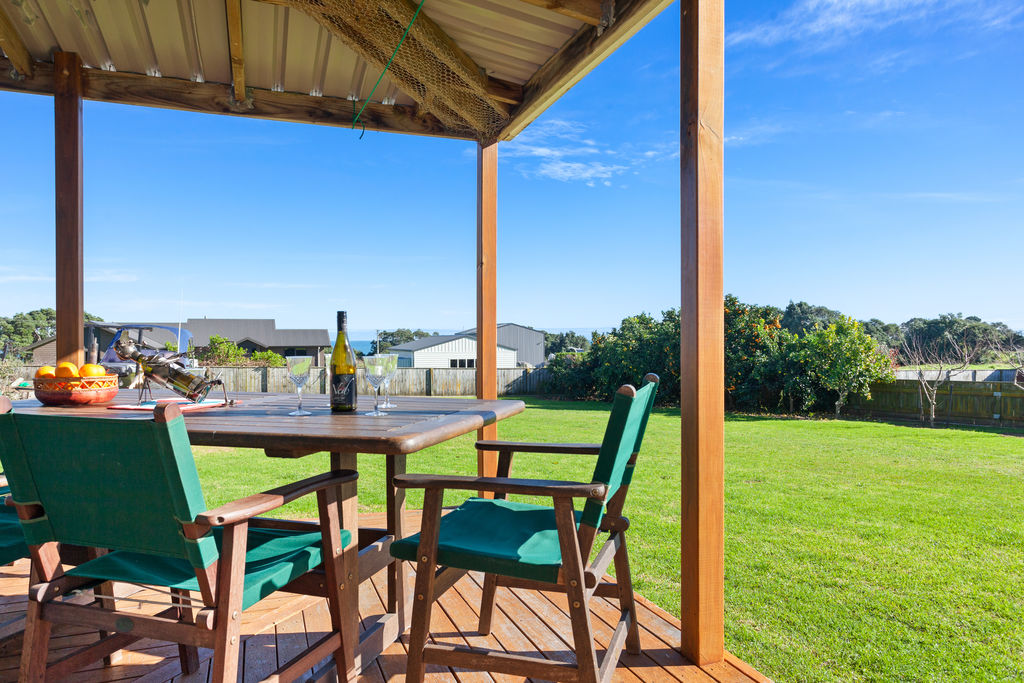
(702, 394)
(67, 131)
(486, 294)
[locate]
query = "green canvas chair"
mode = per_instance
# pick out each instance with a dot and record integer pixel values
(533, 546)
(130, 487)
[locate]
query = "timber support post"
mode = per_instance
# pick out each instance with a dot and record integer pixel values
(486, 294)
(68, 190)
(702, 347)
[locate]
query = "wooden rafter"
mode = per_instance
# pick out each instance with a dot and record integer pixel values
(13, 46)
(234, 15)
(215, 98)
(577, 58)
(587, 11)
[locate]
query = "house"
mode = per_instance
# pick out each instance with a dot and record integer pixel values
(528, 342)
(447, 351)
(250, 334)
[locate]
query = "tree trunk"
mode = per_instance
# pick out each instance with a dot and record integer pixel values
(840, 402)
(931, 416)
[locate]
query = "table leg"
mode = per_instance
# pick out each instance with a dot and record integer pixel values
(397, 592)
(350, 556)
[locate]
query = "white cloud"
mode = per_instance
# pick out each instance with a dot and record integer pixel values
(575, 170)
(277, 285)
(955, 197)
(827, 23)
(755, 133)
(562, 152)
(25, 278)
(108, 275)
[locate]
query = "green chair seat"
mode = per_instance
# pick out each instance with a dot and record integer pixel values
(273, 558)
(496, 536)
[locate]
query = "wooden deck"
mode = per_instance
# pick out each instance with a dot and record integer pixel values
(528, 622)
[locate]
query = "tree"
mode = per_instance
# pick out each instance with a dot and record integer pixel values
(942, 355)
(25, 329)
(847, 360)
(889, 334)
(752, 346)
(800, 318)
(402, 335)
(564, 341)
(221, 351)
(1011, 350)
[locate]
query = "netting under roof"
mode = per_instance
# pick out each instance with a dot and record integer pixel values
(429, 67)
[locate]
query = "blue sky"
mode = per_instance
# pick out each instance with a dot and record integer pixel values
(874, 164)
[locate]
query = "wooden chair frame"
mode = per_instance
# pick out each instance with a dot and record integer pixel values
(579, 578)
(217, 624)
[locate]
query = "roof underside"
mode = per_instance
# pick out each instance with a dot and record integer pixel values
(473, 69)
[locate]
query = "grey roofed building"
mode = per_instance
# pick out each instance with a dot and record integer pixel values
(436, 340)
(528, 342)
(260, 332)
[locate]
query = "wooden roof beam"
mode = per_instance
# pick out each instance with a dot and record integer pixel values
(13, 46)
(577, 57)
(587, 11)
(216, 98)
(234, 15)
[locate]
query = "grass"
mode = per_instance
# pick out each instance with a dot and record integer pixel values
(854, 550)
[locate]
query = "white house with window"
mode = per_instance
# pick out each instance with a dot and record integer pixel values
(447, 351)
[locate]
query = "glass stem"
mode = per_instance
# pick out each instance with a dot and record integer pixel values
(300, 398)
(376, 395)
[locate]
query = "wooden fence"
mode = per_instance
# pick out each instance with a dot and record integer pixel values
(982, 403)
(406, 382)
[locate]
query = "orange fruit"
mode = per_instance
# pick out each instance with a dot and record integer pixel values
(92, 370)
(45, 371)
(66, 370)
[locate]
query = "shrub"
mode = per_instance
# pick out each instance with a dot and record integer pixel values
(268, 358)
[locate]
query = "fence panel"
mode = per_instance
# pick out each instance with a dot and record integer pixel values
(452, 382)
(992, 403)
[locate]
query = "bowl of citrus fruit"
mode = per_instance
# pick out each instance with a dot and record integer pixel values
(67, 384)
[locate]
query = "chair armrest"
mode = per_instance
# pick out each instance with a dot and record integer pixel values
(259, 503)
(524, 447)
(527, 487)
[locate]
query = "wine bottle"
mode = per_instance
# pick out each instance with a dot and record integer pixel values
(164, 373)
(343, 370)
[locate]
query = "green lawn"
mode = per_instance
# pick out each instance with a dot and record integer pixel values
(854, 550)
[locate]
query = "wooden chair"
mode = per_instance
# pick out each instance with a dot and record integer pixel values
(131, 487)
(532, 546)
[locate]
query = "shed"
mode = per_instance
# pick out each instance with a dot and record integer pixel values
(447, 351)
(527, 342)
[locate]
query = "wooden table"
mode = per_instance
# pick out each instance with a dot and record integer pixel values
(262, 421)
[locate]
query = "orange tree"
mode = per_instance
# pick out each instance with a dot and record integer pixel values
(846, 360)
(755, 348)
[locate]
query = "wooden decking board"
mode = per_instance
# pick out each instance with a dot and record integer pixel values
(531, 623)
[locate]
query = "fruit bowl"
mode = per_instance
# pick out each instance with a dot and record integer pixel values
(62, 391)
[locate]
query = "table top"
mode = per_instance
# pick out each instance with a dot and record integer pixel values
(262, 421)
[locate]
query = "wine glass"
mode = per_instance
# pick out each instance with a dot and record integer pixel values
(298, 373)
(376, 369)
(392, 368)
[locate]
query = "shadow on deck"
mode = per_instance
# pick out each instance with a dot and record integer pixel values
(529, 623)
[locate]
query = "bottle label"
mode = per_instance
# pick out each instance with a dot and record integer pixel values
(343, 391)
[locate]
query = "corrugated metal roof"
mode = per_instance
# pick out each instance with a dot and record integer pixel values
(285, 50)
(436, 340)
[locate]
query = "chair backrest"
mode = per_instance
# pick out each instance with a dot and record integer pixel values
(106, 483)
(622, 439)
